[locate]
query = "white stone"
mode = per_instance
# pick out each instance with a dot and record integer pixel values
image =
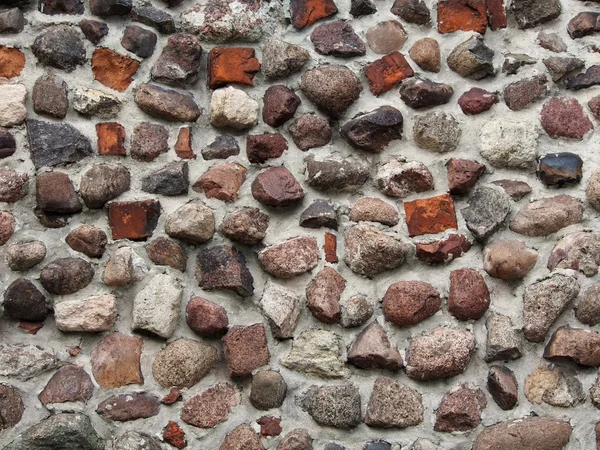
(281, 307)
(12, 104)
(25, 361)
(96, 314)
(509, 144)
(96, 103)
(193, 223)
(156, 307)
(231, 107)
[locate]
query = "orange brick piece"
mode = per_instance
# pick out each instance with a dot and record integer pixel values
(465, 15)
(331, 248)
(385, 73)
(231, 65)
(111, 139)
(133, 220)
(183, 146)
(430, 215)
(307, 12)
(113, 70)
(12, 62)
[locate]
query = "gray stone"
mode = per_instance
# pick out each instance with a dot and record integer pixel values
(436, 131)
(26, 255)
(60, 46)
(103, 182)
(337, 38)
(156, 307)
(91, 102)
(514, 61)
(247, 225)
(503, 341)
(577, 251)
(472, 59)
(508, 144)
(193, 223)
(167, 103)
(153, 17)
(25, 361)
(124, 268)
(488, 207)
(530, 13)
(50, 96)
(221, 148)
(333, 406)
(183, 363)
(281, 307)
(179, 62)
(372, 349)
(393, 405)
(281, 59)
(560, 66)
(169, 180)
(52, 144)
(588, 309)
(335, 174)
(373, 131)
(356, 311)
(11, 21)
(423, 444)
(320, 213)
(310, 131)
(110, 7)
(268, 390)
(134, 440)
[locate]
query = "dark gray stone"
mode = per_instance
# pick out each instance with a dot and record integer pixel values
(372, 132)
(530, 13)
(319, 214)
(172, 179)
(487, 210)
(154, 17)
(360, 8)
(179, 62)
(559, 66)
(514, 61)
(11, 21)
(24, 301)
(422, 93)
(60, 46)
(52, 144)
(221, 148)
(139, 41)
(94, 30)
(134, 440)
(335, 174)
(110, 7)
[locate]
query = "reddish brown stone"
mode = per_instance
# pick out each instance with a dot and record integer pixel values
(269, 426)
(242, 437)
(460, 410)
(323, 295)
(463, 174)
(11, 407)
(502, 385)
(385, 73)
(520, 94)
(73, 351)
(12, 62)
(31, 327)
(173, 396)
(116, 361)
(166, 252)
(290, 258)
(211, 407)
(133, 220)
(279, 105)
(574, 344)
(263, 147)
(246, 349)
(13, 185)
(69, 384)
(594, 105)
(583, 24)
(330, 248)
(54, 192)
(183, 146)
(125, 407)
(514, 188)
(88, 240)
(496, 14)
(277, 187)
(337, 38)
(149, 141)
(444, 251)
(174, 435)
(231, 65)
(465, 15)
(477, 100)
(410, 302)
(307, 12)
(224, 267)
(111, 139)
(7, 226)
(93, 30)
(430, 215)
(469, 297)
(206, 318)
(113, 70)
(222, 182)
(564, 117)
(372, 349)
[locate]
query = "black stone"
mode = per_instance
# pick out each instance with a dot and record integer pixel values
(560, 169)
(319, 214)
(110, 7)
(591, 77)
(94, 30)
(362, 8)
(170, 180)
(155, 18)
(378, 445)
(422, 93)
(52, 143)
(51, 219)
(514, 61)
(221, 148)
(52, 7)
(8, 145)
(60, 46)
(139, 41)
(373, 131)
(24, 301)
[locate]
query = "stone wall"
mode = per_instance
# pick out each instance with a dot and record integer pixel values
(324, 224)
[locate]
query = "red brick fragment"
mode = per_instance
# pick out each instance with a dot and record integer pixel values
(12, 62)
(465, 15)
(430, 215)
(385, 73)
(269, 426)
(231, 65)
(183, 146)
(307, 12)
(31, 327)
(330, 248)
(113, 70)
(174, 435)
(133, 220)
(111, 139)
(496, 14)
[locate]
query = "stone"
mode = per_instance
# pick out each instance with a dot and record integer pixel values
(520, 94)
(460, 410)
(372, 209)
(125, 407)
(139, 41)
(68, 384)
(472, 59)
(398, 178)
(373, 131)
(231, 65)
(12, 104)
(116, 361)
(502, 386)
(61, 47)
(13, 62)
(323, 295)
(503, 341)
(338, 174)
(393, 405)
(246, 349)
(356, 311)
(26, 361)
(174, 435)
(124, 268)
(564, 117)
(8, 145)
(268, 390)
(102, 183)
(11, 406)
(307, 12)
(11, 21)
(110, 7)
(591, 77)
(242, 436)
(183, 363)
(554, 385)
(165, 252)
(156, 306)
(410, 302)
(508, 259)
(13, 185)
(318, 353)
(593, 190)
(319, 214)
(587, 310)
(55, 193)
(594, 106)
(332, 89)
(262, 147)
(436, 131)
(333, 406)
(206, 318)
(179, 62)
(455, 15)
(92, 315)
(574, 344)
(111, 139)
(477, 100)
(23, 301)
(372, 349)
(113, 70)
(469, 297)
(496, 14)
(310, 131)
(212, 406)
(290, 258)
(578, 251)
(170, 180)
(430, 215)
(153, 17)
(488, 207)
(514, 188)
(222, 181)
(463, 174)
(582, 25)
(426, 53)
(135, 220)
(193, 223)
(281, 307)
(277, 186)
(443, 251)
(359, 8)
(50, 96)
(530, 13)
(93, 30)
(412, 11)
(385, 73)
(233, 108)
(441, 353)
(66, 275)
(167, 103)
(548, 215)
(221, 148)
(26, 255)
(423, 444)
(560, 67)
(297, 439)
(422, 93)
(131, 440)
(281, 59)
(552, 42)
(522, 434)
(280, 104)
(52, 144)
(337, 38)
(509, 144)
(224, 267)
(88, 240)
(386, 37)
(369, 251)
(7, 227)
(248, 226)
(544, 302)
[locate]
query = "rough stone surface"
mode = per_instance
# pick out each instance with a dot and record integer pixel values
(206, 318)
(469, 296)
(246, 349)
(291, 258)
(334, 406)
(460, 410)
(372, 132)
(338, 38)
(323, 295)
(183, 363)
(222, 181)
(502, 386)
(444, 251)
(472, 59)
(588, 308)
(372, 349)
(24, 301)
(430, 215)
(554, 385)
(399, 178)
(212, 406)
(310, 131)
(574, 344)
(316, 352)
(503, 340)
(268, 390)
(436, 131)
(546, 216)
(281, 307)
(393, 405)
(233, 108)
(68, 384)
(508, 259)
(116, 361)
(410, 302)
(509, 144)
(193, 223)
(224, 267)
(335, 174)
(248, 226)
(422, 93)
(92, 315)
(488, 207)
(577, 251)
(25, 361)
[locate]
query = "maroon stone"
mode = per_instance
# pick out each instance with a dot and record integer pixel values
(246, 349)
(337, 38)
(593, 104)
(174, 435)
(372, 349)
(280, 105)
(69, 384)
(460, 410)
(206, 318)
(173, 396)
(55, 193)
(496, 14)
(477, 100)
(564, 117)
(211, 407)
(463, 174)
(277, 187)
(323, 295)
(13, 185)
(125, 407)
(149, 141)
(469, 297)
(94, 30)
(7, 226)
(410, 302)
(444, 251)
(263, 147)
(11, 407)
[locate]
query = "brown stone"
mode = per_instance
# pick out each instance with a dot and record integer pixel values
(463, 174)
(25, 255)
(297, 439)
(430, 215)
(262, 147)
(183, 363)
(310, 131)
(224, 267)
(386, 37)
(460, 410)
(93, 30)
(24, 301)
(588, 308)
(125, 407)
(564, 117)
(385, 73)
(68, 384)
(111, 139)
(248, 225)
(279, 105)
(307, 12)
(167, 103)
(323, 295)
(212, 406)
(11, 407)
(426, 53)
(477, 100)
(554, 385)
(54, 192)
(277, 187)
(50, 96)
(422, 93)
(116, 361)
(444, 251)
(508, 259)
(514, 188)
(13, 185)
(268, 390)
(521, 94)
(465, 15)
(65, 276)
(174, 435)
(399, 178)
(242, 437)
(149, 141)
(337, 38)
(135, 220)
(102, 183)
(166, 252)
(372, 349)
(547, 215)
(179, 63)
(574, 344)
(222, 181)
(502, 385)
(469, 297)
(412, 11)
(7, 226)
(290, 258)
(372, 209)
(88, 240)
(8, 145)
(583, 24)
(246, 349)
(330, 248)
(373, 131)
(183, 146)
(206, 318)
(31, 327)
(228, 65)
(173, 396)
(12, 62)
(410, 302)
(113, 70)
(392, 405)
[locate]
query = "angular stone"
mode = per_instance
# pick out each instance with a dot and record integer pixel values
(280, 104)
(455, 15)
(503, 341)
(552, 42)
(224, 267)
(212, 406)
(55, 193)
(110, 7)
(183, 363)
(356, 311)
(412, 11)
(262, 147)
(124, 268)
(436, 131)
(174, 435)
(12, 21)
(564, 117)
(472, 59)
(297, 439)
(337, 38)
(460, 410)
(8, 145)
(508, 144)
(430, 215)
(12, 62)
(574, 344)
(50, 96)
(134, 440)
(7, 227)
(443, 251)
(319, 214)
(333, 406)
(544, 302)
(520, 94)
(248, 225)
(153, 17)
(582, 24)
(318, 353)
(165, 252)
(68, 384)
(509, 259)
(222, 181)
(206, 318)
(169, 180)
(578, 251)
(410, 302)
(246, 349)
(422, 93)
(385, 73)
(548, 215)
(463, 174)
(113, 70)
(111, 139)
(496, 14)
(231, 65)
(281, 307)
(92, 315)
(373, 131)
(399, 178)
(277, 187)
(52, 144)
(93, 30)
(221, 148)
(330, 248)
(530, 13)
(323, 295)
(13, 185)
(554, 385)
(393, 405)
(88, 240)
(193, 223)
(386, 37)
(526, 433)
(116, 361)
(125, 407)
(102, 183)
(179, 62)
(66, 275)
(25, 361)
(12, 104)
(242, 436)
(372, 349)
(60, 46)
(135, 220)
(488, 207)
(335, 174)
(11, 406)
(23, 301)
(291, 258)
(559, 67)
(26, 255)
(591, 77)
(281, 59)
(307, 12)
(442, 353)
(426, 53)
(139, 41)
(514, 188)
(310, 131)
(476, 101)
(371, 209)
(502, 386)
(167, 103)
(156, 307)
(268, 390)
(231, 107)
